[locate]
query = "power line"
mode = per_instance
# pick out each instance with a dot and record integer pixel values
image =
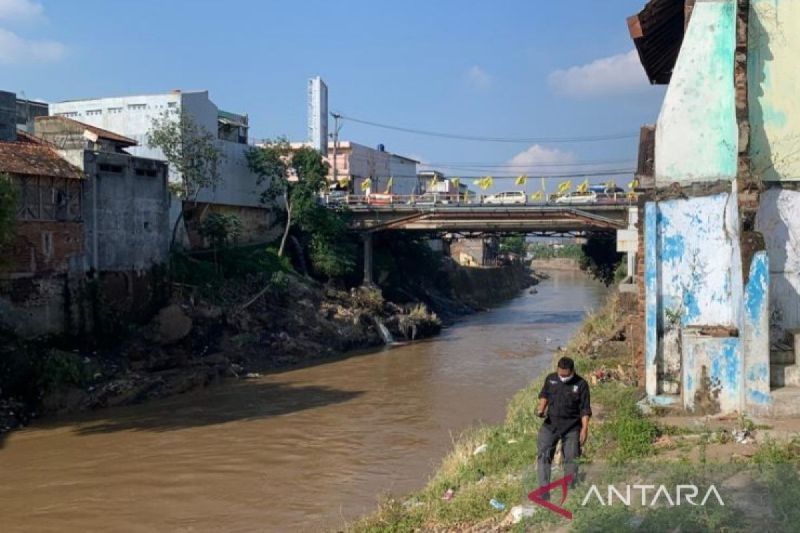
(614, 172)
(456, 165)
(528, 140)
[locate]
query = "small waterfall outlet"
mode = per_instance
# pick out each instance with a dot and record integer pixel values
(386, 335)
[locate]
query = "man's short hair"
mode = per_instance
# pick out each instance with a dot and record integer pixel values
(566, 363)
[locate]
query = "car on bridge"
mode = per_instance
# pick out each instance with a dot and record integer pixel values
(335, 197)
(578, 198)
(430, 198)
(506, 198)
(377, 198)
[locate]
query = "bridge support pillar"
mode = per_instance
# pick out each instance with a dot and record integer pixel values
(367, 259)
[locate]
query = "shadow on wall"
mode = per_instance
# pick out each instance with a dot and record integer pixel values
(779, 221)
(245, 400)
(759, 56)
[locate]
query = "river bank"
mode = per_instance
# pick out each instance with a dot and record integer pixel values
(251, 325)
(755, 464)
(301, 448)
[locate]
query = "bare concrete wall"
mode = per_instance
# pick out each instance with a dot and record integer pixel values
(129, 218)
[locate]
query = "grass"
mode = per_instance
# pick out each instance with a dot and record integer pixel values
(505, 471)
(620, 450)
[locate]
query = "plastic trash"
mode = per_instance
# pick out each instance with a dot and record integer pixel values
(521, 512)
(497, 505)
(480, 449)
(512, 441)
(448, 495)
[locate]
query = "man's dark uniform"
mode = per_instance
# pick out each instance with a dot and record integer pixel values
(567, 402)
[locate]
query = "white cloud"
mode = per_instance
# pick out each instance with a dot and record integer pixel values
(618, 74)
(15, 49)
(19, 9)
(478, 78)
(537, 158)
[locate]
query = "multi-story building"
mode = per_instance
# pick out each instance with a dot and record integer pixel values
(132, 116)
(354, 163)
(86, 209)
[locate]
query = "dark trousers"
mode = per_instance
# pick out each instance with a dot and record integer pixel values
(571, 446)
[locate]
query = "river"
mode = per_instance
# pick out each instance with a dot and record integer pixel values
(300, 450)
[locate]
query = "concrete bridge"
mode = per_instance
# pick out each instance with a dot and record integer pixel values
(540, 219)
(531, 218)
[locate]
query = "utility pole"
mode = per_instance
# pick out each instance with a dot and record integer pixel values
(336, 128)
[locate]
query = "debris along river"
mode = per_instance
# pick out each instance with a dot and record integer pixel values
(299, 450)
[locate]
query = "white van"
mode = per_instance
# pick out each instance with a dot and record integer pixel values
(505, 198)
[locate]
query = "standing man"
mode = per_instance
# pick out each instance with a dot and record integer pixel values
(564, 404)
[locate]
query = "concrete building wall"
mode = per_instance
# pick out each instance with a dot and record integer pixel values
(404, 174)
(697, 134)
(778, 220)
(773, 79)
(8, 116)
(33, 287)
(132, 116)
(131, 212)
(707, 334)
(756, 334)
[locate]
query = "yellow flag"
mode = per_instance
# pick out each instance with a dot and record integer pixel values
(485, 183)
(583, 187)
(611, 184)
(344, 181)
(564, 187)
(522, 180)
(632, 185)
(366, 184)
(538, 195)
(389, 184)
(456, 182)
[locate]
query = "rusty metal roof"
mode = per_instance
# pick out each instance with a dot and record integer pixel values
(73, 125)
(31, 157)
(657, 31)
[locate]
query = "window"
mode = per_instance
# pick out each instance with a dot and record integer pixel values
(94, 112)
(149, 172)
(47, 244)
(114, 110)
(137, 107)
(172, 104)
(68, 114)
(105, 167)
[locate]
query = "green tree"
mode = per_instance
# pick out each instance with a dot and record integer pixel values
(220, 230)
(8, 209)
(513, 244)
(192, 153)
(295, 176)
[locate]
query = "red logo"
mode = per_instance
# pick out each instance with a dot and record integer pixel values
(536, 496)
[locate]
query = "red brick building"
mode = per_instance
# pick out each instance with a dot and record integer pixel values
(49, 241)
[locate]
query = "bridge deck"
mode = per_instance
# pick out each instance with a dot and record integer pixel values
(509, 218)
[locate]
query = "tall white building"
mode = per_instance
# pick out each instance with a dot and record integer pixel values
(132, 116)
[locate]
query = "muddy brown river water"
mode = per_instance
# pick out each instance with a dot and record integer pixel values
(305, 449)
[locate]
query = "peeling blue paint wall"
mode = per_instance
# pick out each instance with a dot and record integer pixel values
(699, 242)
(693, 279)
(756, 334)
(651, 260)
(712, 372)
(697, 136)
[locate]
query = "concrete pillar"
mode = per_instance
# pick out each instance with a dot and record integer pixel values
(367, 259)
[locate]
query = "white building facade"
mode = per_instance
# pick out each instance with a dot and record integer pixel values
(132, 116)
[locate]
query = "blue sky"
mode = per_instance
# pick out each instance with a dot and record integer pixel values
(516, 68)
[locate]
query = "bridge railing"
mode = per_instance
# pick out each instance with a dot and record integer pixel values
(444, 199)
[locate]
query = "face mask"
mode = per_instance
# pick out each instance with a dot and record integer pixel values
(564, 379)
